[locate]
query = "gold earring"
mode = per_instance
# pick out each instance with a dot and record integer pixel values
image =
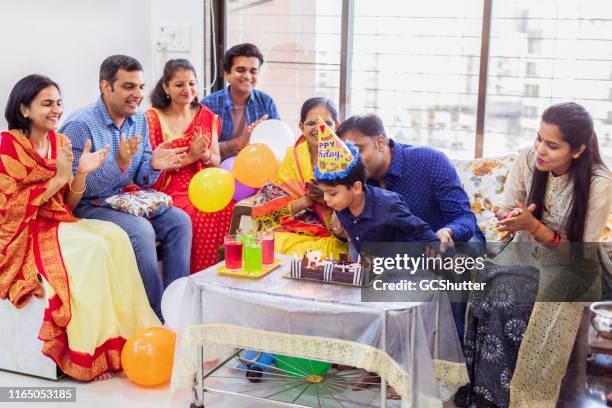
(576, 156)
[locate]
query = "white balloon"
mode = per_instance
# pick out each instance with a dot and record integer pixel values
(275, 134)
(171, 303)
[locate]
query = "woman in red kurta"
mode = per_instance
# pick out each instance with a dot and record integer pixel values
(178, 116)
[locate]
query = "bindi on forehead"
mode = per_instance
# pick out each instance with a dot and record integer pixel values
(550, 133)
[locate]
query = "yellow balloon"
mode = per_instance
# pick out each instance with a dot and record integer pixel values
(211, 189)
(148, 355)
(256, 165)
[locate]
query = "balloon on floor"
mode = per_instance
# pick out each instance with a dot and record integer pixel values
(171, 303)
(211, 189)
(241, 191)
(256, 165)
(148, 355)
(275, 134)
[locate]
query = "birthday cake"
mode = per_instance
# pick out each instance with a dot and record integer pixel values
(311, 266)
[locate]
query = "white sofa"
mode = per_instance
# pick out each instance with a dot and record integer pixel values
(21, 349)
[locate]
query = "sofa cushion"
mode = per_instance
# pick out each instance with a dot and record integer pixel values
(483, 180)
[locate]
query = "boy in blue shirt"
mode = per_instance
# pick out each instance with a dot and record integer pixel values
(367, 213)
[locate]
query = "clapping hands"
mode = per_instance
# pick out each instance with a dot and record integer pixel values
(245, 138)
(127, 150)
(198, 149)
(63, 163)
(518, 219)
(165, 158)
(91, 161)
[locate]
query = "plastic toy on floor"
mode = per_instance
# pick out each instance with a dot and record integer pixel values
(255, 363)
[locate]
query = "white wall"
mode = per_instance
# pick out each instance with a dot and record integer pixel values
(179, 12)
(68, 39)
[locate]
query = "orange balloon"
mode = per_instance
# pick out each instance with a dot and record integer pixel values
(256, 165)
(148, 355)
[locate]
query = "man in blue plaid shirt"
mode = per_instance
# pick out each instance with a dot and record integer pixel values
(240, 105)
(115, 121)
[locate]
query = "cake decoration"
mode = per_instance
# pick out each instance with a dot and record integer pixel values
(312, 266)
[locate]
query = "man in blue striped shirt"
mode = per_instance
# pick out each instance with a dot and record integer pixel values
(115, 121)
(240, 105)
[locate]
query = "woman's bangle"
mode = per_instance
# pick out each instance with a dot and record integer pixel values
(556, 239)
(290, 207)
(210, 153)
(76, 192)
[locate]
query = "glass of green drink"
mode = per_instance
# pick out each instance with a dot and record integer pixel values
(252, 255)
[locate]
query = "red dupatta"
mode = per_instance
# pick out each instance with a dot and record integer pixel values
(204, 119)
(28, 229)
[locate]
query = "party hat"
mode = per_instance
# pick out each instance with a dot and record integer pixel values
(335, 157)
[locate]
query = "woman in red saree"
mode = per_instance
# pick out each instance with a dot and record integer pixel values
(178, 116)
(87, 269)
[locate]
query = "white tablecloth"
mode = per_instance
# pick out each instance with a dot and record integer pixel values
(321, 321)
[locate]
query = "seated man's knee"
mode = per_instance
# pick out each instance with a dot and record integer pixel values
(142, 233)
(180, 219)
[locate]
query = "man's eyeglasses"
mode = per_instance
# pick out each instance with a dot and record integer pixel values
(313, 123)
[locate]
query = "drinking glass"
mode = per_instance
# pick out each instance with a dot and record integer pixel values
(252, 255)
(233, 252)
(267, 246)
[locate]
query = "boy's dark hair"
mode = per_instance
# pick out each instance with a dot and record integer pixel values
(23, 93)
(111, 65)
(356, 174)
(241, 50)
(370, 125)
(159, 98)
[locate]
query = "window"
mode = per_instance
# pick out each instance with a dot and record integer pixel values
(530, 111)
(534, 45)
(300, 41)
(416, 65)
(531, 90)
(530, 69)
(558, 50)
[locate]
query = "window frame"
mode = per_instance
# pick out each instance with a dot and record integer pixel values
(347, 29)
